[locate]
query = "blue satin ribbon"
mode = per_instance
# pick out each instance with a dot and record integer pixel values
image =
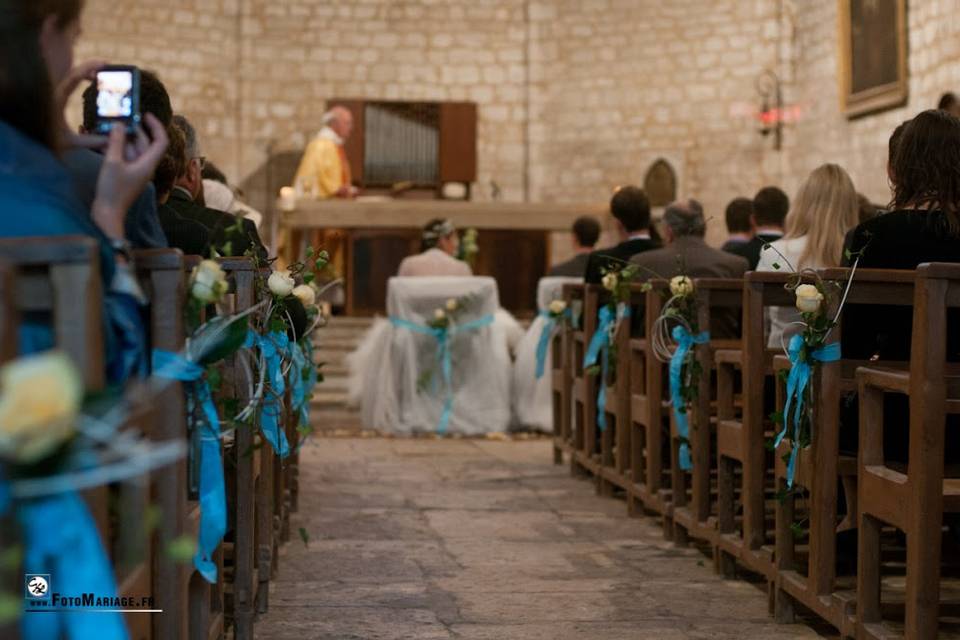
(599, 346)
(685, 341)
(61, 539)
(800, 370)
(543, 346)
(272, 346)
(213, 495)
(443, 337)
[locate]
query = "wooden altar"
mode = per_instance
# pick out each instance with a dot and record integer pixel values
(514, 241)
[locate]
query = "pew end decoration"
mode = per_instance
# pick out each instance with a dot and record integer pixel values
(675, 333)
(469, 247)
(557, 314)
(56, 442)
(616, 281)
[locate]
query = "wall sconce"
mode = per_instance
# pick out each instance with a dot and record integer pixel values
(771, 109)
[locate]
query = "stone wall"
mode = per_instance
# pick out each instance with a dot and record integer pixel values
(575, 96)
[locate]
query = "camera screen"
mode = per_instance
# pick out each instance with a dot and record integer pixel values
(115, 94)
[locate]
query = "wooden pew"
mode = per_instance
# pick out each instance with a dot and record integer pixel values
(913, 500)
(811, 579)
(571, 347)
(249, 483)
(694, 515)
(615, 449)
(9, 322)
(648, 461)
(59, 278)
(192, 607)
(584, 389)
(742, 440)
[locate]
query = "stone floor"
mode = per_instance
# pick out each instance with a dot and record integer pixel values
(487, 540)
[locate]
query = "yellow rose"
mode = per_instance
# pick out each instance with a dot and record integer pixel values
(281, 284)
(208, 282)
(557, 307)
(681, 286)
(809, 298)
(39, 400)
(439, 314)
(452, 304)
(306, 294)
(610, 282)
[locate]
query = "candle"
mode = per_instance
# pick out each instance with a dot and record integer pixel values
(288, 199)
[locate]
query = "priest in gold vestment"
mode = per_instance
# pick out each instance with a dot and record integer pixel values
(325, 173)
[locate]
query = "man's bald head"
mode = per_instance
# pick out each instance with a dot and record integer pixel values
(340, 120)
(685, 218)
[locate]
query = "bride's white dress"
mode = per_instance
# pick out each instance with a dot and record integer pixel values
(532, 398)
(389, 371)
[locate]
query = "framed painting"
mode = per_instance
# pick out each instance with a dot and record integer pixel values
(873, 55)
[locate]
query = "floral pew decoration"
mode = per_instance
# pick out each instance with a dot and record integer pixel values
(557, 314)
(675, 346)
(443, 328)
(617, 282)
(55, 443)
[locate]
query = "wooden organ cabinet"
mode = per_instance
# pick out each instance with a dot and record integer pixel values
(414, 151)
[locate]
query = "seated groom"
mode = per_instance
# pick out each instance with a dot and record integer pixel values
(687, 254)
(631, 209)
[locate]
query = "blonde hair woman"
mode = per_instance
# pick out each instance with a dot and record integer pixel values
(825, 209)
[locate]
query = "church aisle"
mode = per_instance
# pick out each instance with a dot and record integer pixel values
(487, 540)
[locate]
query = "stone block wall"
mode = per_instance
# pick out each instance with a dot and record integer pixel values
(575, 96)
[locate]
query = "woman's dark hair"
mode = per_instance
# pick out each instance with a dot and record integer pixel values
(172, 164)
(27, 96)
(926, 166)
(947, 101)
(433, 231)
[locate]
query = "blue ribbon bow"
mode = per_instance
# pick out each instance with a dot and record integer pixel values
(443, 335)
(61, 539)
(272, 346)
(213, 495)
(685, 341)
(600, 345)
(543, 346)
(800, 370)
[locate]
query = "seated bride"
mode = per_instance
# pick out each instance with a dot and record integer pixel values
(409, 376)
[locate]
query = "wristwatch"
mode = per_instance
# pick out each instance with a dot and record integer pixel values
(123, 247)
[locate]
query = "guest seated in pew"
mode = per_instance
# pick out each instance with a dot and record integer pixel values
(687, 254)
(922, 226)
(222, 196)
(739, 219)
(770, 207)
(36, 190)
(230, 235)
(142, 227)
(185, 234)
(825, 209)
(631, 210)
(586, 232)
(440, 243)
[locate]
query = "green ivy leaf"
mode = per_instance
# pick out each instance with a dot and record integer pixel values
(304, 536)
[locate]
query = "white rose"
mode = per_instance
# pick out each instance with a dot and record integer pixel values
(681, 286)
(809, 298)
(557, 307)
(452, 304)
(439, 314)
(208, 282)
(281, 284)
(39, 403)
(306, 295)
(610, 282)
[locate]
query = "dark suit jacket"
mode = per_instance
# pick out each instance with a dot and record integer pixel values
(614, 257)
(142, 227)
(185, 234)
(691, 256)
(751, 250)
(575, 267)
(222, 225)
(732, 246)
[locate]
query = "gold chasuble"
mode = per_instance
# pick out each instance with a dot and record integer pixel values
(324, 171)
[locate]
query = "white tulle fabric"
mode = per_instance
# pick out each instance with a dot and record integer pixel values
(391, 360)
(532, 398)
